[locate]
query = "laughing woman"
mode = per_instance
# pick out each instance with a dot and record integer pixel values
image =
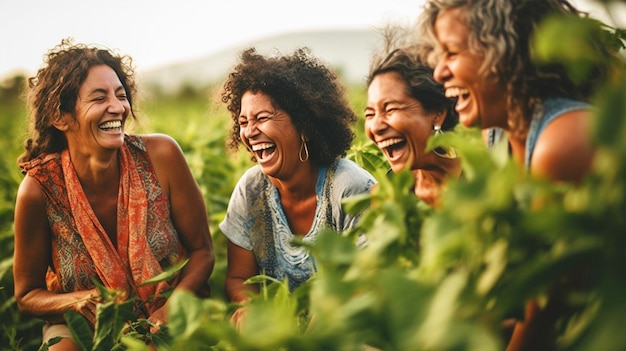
(97, 204)
(291, 113)
(406, 107)
(485, 57)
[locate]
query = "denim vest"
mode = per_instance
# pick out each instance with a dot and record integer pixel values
(548, 111)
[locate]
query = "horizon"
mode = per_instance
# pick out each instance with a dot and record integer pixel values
(160, 32)
(156, 33)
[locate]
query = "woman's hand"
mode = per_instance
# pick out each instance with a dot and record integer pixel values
(87, 305)
(158, 318)
(238, 317)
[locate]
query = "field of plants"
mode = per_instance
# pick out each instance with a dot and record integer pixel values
(428, 280)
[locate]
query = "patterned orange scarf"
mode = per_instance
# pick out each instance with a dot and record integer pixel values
(133, 262)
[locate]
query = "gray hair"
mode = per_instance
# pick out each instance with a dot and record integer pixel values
(502, 31)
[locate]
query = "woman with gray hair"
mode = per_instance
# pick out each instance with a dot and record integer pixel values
(483, 55)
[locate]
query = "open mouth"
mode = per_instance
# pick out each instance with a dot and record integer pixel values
(462, 95)
(457, 92)
(263, 150)
(110, 125)
(390, 146)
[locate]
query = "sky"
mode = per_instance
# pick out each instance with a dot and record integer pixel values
(160, 32)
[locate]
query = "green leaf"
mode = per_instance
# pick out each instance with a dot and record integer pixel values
(111, 319)
(331, 250)
(356, 204)
(167, 274)
(580, 44)
(80, 329)
(195, 323)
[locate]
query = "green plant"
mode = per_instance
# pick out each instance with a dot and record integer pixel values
(427, 279)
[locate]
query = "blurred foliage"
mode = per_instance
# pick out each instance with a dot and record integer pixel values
(17, 331)
(425, 279)
(194, 117)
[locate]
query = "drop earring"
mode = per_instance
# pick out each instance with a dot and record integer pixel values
(303, 154)
(441, 151)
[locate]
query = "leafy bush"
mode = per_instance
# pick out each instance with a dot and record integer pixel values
(427, 279)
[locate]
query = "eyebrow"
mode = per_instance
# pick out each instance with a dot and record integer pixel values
(387, 103)
(103, 90)
(256, 114)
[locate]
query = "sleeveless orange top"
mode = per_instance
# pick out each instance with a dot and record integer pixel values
(147, 241)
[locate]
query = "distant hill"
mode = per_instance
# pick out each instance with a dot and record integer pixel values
(347, 51)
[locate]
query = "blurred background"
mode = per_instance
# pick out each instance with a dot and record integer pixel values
(195, 40)
(182, 50)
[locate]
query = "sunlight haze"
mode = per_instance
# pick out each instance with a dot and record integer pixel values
(160, 32)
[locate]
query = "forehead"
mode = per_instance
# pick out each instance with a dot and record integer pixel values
(101, 76)
(450, 24)
(258, 99)
(389, 81)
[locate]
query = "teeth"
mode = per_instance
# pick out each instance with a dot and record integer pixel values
(262, 146)
(111, 124)
(388, 142)
(456, 92)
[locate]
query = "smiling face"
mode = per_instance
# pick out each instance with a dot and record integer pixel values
(481, 99)
(101, 111)
(398, 124)
(270, 134)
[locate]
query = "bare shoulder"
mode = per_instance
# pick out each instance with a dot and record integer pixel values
(564, 151)
(167, 158)
(161, 146)
(30, 208)
(29, 191)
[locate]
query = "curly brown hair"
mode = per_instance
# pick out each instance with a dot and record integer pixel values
(302, 86)
(54, 90)
(502, 31)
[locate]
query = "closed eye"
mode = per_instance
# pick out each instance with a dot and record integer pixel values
(391, 110)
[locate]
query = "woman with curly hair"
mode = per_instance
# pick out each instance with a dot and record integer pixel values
(97, 204)
(483, 55)
(406, 107)
(291, 113)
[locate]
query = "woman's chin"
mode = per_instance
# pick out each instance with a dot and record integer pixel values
(397, 167)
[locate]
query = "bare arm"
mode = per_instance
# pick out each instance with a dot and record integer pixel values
(564, 151)
(241, 266)
(31, 258)
(188, 209)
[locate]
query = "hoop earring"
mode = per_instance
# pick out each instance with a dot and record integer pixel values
(445, 152)
(303, 150)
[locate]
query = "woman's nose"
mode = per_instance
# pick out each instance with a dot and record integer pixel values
(377, 123)
(441, 71)
(249, 130)
(117, 106)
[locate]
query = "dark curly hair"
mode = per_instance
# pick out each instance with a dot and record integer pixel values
(502, 31)
(401, 55)
(54, 90)
(302, 86)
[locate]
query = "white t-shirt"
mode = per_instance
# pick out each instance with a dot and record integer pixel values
(255, 219)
